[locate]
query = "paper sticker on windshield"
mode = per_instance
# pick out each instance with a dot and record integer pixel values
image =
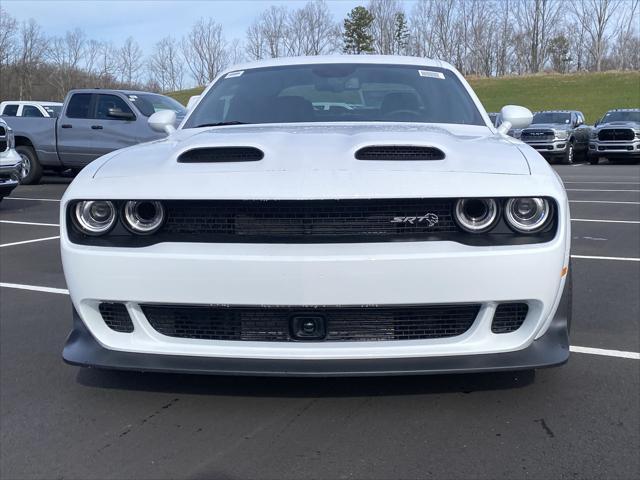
(133, 98)
(234, 74)
(430, 74)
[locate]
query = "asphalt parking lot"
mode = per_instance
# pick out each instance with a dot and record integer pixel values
(578, 421)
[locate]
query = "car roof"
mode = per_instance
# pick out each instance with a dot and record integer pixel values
(624, 110)
(324, 59)
(558, 111)
(29, 102)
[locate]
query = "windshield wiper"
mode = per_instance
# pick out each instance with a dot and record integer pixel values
(222, 124)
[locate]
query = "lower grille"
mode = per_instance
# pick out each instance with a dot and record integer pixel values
(116, 316)
(616, 134)
(343, 324)
(509, 317)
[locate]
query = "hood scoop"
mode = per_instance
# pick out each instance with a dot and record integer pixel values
(399, 153)
(221, 155)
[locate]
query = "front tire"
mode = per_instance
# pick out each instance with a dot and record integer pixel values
(31, 168)
(568, 154)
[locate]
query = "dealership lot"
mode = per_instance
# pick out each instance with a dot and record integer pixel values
(581, 420)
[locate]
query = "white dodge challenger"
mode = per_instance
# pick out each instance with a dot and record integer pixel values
(346, 215)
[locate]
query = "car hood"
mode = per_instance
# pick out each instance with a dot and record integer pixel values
(635, 125)
(304, 149)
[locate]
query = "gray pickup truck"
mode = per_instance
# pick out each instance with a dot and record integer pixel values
(93, 122)
(558, 134)
(616, 137)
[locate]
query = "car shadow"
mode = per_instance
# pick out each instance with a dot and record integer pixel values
(303, 387)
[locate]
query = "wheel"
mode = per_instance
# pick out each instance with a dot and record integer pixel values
(568, 154)
(31, 168)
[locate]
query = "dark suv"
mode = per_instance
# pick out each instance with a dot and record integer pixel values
(558, 134)
(616, 136)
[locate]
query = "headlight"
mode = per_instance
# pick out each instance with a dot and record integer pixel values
(143, 217)
(637, 133)
(561, 134)
(11, 139)
(594, 134)
(527, 215)
(476, 215)
(94, 217)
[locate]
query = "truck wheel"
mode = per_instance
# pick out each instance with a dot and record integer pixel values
(31, 168)
(568, 154)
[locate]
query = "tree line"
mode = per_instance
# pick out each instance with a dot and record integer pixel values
(479, 37)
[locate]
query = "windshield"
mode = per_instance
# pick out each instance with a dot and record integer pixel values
(621, 117)
(551, 117)
(53, 110)
(150, 103)
(337, 93)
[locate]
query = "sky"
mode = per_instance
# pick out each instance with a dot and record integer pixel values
(148, 21)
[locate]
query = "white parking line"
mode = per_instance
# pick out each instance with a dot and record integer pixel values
(15, 222)
(606, 353)
(603, 221)
(622, 259)
(576, 349)
(603, 201)
(29, 241)
(597, 190)
(33, 199)
(62, 291)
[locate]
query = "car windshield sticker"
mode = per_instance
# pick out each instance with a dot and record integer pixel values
(430, 74)
(234, 74)
(133, 98)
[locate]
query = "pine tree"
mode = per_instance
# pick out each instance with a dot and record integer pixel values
(357, 31)
(400, 34)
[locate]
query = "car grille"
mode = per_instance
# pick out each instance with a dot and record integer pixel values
(537, 135)
(3, 139)
(272, 324)
(509, 317)
(308, 220)
(116, 316)
(616, 134)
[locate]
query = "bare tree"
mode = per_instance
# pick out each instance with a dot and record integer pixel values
(65, 54)
(595, 17)
(422, 36)
(384, 24)
(165, 65)
(629, 23)
(131, 63)
(205, 50)
(32, 48)
(8, 32)
(537, 21)
(311, 30)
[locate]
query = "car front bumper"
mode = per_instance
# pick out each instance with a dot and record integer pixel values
(10, 173)
(550, 148)
(630, 149)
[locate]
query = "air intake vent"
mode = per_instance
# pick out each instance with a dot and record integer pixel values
(116, 316)
(399, 152)
(221, 155)
(509, 317)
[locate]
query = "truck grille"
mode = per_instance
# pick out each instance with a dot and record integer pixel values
(537, 135)
(308, 220)
(343, 324)
(616, 134)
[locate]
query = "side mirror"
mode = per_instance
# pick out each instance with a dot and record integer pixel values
(192, 101)
(515, 117)
(163, 121)
(119, 114)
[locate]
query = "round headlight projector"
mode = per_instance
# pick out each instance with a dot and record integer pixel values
(476, 215)
(95, 217)
(527, 215)
(143, 217)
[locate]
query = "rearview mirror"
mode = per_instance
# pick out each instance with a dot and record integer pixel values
(119, 114)
(192, 101)
(163, 121)
(514, 116)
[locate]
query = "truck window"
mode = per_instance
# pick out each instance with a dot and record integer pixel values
(31, 111)
(10, 110)
(79, 105)
(105, 102)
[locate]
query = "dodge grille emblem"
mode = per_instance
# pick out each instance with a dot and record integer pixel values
(430, 219)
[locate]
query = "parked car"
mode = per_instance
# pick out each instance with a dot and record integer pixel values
(558, 135)
(30, 109)
(10, 162)
(264, 236)
(93, 122)
(616, 136)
